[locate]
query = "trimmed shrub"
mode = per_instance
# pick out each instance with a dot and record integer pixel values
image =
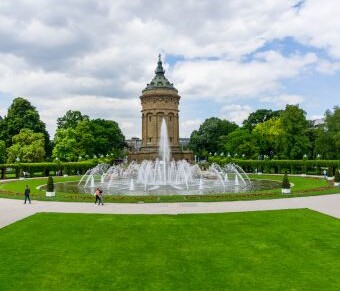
(330, 172)
(50, 184)
(285, 182)
(337, 176)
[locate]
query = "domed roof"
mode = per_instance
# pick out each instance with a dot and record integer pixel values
(159, 81)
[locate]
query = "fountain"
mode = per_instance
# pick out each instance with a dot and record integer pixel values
(164, 176)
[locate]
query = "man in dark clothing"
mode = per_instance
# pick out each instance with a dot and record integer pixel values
(27, 195)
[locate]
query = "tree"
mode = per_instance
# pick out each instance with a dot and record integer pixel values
(2, 152)
(208, 137)
(108, 138)
(89, 137)
(85, 138)
(269, 135)
(295, 142)
(21, 114)
(71, 119)
(259, 116)
(241, 142)
(28, 146)
(327, 143)
(65, 145)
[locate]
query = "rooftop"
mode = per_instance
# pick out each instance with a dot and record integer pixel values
(159, 81)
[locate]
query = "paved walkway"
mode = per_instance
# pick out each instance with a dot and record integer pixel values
(12, 210)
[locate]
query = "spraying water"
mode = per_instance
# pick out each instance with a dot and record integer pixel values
(165, 176)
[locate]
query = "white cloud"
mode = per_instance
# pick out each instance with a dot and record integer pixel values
(188, 126)
(316, 24)
(327, 67)
(93, 55)
(125, 112)
(236, 113)
(284, 99)
(230, 80)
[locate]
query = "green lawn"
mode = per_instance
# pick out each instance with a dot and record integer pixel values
(303, 186)
(273, 250)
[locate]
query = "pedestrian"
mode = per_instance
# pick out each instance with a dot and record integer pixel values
(101, 197)
(27, 194)
(325, 174)
(96, 194)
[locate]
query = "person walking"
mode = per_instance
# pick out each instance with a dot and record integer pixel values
(101, 197)
(96, 194)
(325, 174)
(27, 194)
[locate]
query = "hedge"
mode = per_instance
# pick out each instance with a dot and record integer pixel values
(281, 166)
(265, 166)
(68, 168)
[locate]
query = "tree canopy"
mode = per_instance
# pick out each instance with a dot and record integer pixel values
(28, 146)
(240, 143)
(89, 138)
(282, 134)
(295, 142)
(207, 138)
(2, 152)
(259, 116)
(268, 136)
(21, 114)
(327, 143)
(71, 119)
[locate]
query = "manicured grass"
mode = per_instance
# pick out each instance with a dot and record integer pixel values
(273, 250)
(303, 186)
(301, 183)
(15, 188)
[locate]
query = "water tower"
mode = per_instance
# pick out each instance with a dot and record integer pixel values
(159, 100)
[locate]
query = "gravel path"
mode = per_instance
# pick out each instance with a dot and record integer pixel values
(12, 210)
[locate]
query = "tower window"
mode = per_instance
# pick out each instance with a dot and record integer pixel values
(149, 118)
(150, 139)
(170, 118)
(170, 139)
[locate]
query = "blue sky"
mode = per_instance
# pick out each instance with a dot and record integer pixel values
(226, 58)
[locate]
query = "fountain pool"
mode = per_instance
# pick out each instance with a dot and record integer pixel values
(164, 176)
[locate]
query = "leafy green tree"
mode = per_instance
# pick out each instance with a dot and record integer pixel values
(269, 135)
(208, 137)
(242, 143)
(312, 134)
(2, 152)
(21, 114)
(295, 142)
(108, 137)
(85, 139)
(28, 146)
(65, 145)
(259, 116)
(89, 138)
(327, 143)
(71, 119)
